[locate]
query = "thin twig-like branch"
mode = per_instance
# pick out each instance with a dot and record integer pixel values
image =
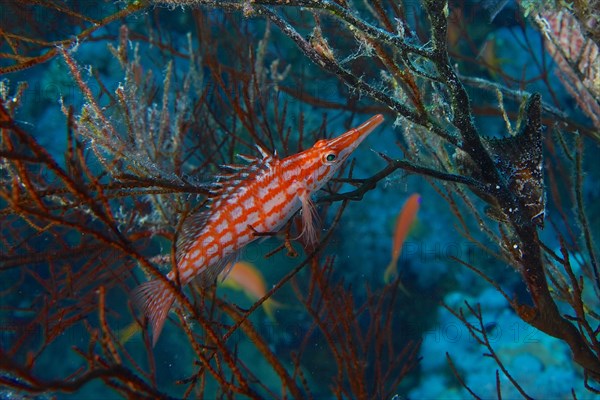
(370, 183)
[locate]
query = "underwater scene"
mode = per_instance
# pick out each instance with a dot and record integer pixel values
(300, 199)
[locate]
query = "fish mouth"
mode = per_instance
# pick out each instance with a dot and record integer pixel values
(347, 142)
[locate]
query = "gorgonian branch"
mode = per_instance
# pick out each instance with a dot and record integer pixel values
(331, 65)
(365, 185)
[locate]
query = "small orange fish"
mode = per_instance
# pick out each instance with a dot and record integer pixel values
(258, 197)
(127, 333)
(403, 223)
(247, 277)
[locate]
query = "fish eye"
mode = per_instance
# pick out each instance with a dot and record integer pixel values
(330, 157)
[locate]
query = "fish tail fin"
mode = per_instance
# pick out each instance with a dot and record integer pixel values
(390, 273)
(403, 288)
(154, 299)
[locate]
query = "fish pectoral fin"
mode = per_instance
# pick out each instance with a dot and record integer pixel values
(310, 218)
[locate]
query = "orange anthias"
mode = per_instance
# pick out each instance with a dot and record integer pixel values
(246, 277)
(403, 223)
(258, 197)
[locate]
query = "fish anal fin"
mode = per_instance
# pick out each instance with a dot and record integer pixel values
(232, 259)
(219, 269)
(154, 299)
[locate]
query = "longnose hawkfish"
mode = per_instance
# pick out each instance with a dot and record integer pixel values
(256, 197)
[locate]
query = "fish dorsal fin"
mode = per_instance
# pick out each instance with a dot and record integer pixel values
(233, 175)
(263, 151)
(190, 230)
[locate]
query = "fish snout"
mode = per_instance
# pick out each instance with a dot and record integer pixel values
(346, 143)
